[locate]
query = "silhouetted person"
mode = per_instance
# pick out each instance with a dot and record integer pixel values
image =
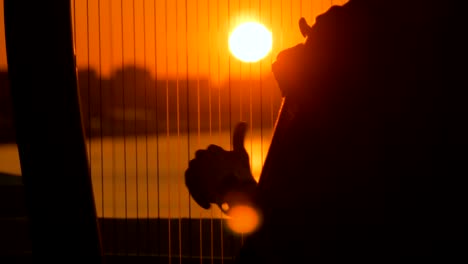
(373, 156)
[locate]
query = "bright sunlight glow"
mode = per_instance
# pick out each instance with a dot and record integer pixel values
(243, 219)
(250, 42)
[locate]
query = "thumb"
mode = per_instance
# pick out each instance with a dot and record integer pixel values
(304, 27)
(239, 136)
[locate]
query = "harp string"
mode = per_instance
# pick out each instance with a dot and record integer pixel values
(210, 121)
(156, 161)
(113, 141)
(260, 88)
(168, 135)
(135, 125)
(197, 49)
(124, 130)
(157, 130)
(146, 123)
(100, 110)
(178, 160)
(229, 99)
(240, 70)
(188, 134)
(218, 31)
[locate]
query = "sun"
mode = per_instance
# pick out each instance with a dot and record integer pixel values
(250, 42)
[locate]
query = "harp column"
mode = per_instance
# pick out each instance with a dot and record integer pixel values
(49, 131)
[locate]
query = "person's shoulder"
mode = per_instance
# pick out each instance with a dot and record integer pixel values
(350, 14)
(345, 22)
(334, 12)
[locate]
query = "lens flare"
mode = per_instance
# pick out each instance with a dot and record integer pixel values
(243, 219)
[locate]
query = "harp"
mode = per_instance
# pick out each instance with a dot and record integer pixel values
(76, 217)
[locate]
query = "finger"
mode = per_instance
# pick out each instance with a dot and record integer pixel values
(215, 148)
(193, 164)
(200, 200)
(304, 27)
(239, 137)
(200, 153)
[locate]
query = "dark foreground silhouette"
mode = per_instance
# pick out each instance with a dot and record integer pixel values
(371, 160)
(160, 240)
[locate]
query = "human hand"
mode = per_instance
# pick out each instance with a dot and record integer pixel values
(215, 172)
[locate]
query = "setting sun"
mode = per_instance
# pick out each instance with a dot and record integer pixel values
(250, 42)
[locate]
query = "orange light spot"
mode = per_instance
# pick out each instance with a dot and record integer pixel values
(243, 219)
(225, 206)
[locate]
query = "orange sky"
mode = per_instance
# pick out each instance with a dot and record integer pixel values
(3, 60)
(187, 38)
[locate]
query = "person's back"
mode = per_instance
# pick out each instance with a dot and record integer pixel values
(357, 171)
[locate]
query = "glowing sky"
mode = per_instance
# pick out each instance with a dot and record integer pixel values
(178, 37)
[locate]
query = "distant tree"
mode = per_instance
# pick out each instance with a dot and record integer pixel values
(130, 86)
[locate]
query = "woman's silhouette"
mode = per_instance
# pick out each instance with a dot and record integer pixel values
(370, 159)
